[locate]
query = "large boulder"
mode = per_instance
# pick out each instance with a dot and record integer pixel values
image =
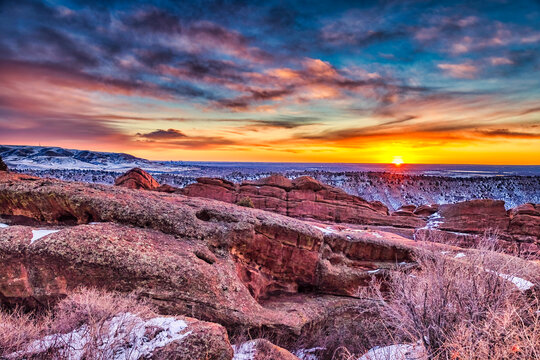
(137, 179)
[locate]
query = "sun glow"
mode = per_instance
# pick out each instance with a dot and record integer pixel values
(398, 160)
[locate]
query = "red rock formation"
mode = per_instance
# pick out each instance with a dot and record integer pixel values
(474, 216)
(210, 259)
(137, 179)
(304, 198)
(463, 223)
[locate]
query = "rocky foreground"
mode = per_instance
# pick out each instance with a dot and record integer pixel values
(295, 262)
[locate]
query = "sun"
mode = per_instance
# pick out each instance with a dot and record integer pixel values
(398, 160)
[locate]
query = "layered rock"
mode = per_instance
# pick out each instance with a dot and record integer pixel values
(465, 224)
(137, 179)
(304, 198)
(216, 261)
(461, 223)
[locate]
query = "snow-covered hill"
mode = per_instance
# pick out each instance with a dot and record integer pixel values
(41, 157)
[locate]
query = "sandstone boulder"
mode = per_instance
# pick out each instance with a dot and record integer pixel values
(474, 216)
(129, 336)
(137, 179)
(426, 210)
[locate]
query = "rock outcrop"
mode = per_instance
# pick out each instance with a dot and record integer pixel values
(137, 179)
(304, 198)
(216, 261)
(284, 272)
(461, 223)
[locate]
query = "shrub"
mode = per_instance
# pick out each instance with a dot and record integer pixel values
(18, 329)
(245, 202)
(464, 308)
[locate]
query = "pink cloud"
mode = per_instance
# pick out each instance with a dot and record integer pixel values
(461, 71)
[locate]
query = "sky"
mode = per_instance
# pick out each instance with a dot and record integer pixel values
(445, 82)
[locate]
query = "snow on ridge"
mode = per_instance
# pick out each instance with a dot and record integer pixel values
(38, 234)
(309, 354)
(326, 231)
(521, 284)
(434, 221)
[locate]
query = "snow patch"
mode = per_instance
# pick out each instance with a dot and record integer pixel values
(38, 234)
(328, 230)
(124, 337)
(244, 351)
(3, 225)
(373, 271)
(309, 354)
(521, 284)
(396, 352)
(433, 221)
(460, 255)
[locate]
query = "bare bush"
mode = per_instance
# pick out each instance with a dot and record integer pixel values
(246, 202)
(18, 329)
(475, 305)
(88, 324)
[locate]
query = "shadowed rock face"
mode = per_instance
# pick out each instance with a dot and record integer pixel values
(203, 258)
(137, 179)
(3, 166)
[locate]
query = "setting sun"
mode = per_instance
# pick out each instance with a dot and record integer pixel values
(398, 160)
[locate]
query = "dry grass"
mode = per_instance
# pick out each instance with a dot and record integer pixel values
(17, 329)
(85, 314)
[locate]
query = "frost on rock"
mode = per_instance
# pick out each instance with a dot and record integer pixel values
(38, 234)
(124, 337)
(326, 231)
(396, 352)
(244, 351)
(309, 354)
